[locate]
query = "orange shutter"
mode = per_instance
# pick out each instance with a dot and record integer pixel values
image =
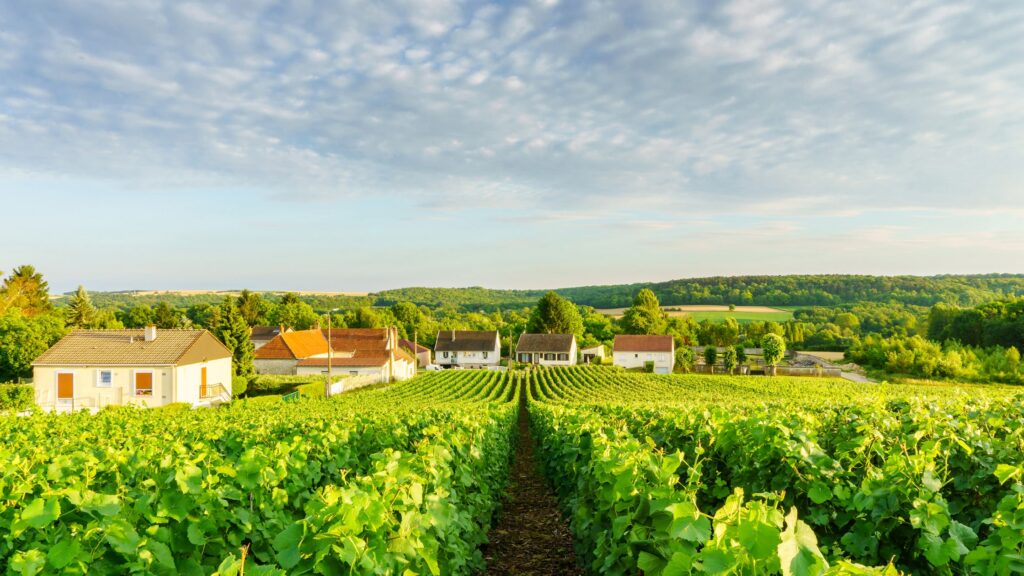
(143, 383)
(65, 386)
(202, 382)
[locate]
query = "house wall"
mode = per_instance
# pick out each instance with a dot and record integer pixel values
(275, 366)
(189, 379)
(470, 359)
(89, 395)
(538, 358)
(377, 372)
(663, 361)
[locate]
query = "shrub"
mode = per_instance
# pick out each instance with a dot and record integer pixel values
(264, 384)
(239, 384)
(649, 366)
(16, 397)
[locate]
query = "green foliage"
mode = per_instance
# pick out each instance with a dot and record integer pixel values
(239, 385)
(685, 359)
(234, 333)
(167, 317)
(654, 472)
(16, 397)
(381, 482)
(23, 339)
(644, 316)
(25, 290)
(710, 355)
(741, 354)
(295, 315)
(729, 359)
(773, 349)
(81, 313)
(923, 358)
(555, 315)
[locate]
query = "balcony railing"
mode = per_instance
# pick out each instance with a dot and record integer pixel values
(213, 391)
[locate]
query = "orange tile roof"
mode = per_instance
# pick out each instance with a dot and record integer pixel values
(639, 343)
(293, 345)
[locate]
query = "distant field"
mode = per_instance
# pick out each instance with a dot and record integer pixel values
(829, 356)
(236, 293)
(742, 314)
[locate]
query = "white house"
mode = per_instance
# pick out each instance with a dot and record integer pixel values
(467, 348)
(593, 352)
(547, 349)
(635, 351)
(90, 369)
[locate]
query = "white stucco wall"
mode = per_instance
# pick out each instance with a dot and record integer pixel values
(470, 359)
(189, 380)
(538, 358)
(663, 361)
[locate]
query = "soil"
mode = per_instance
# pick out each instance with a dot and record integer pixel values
(531, 538)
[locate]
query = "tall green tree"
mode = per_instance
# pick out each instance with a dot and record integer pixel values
(81, 313)
(645, 315)
(23, 339)
(729, 359)
(26, 290)
(773, 348)
(555, 315)
(138, 316)
(710, 356)
(166, 316)
(234, 333)
(252, 308)
(294, 315)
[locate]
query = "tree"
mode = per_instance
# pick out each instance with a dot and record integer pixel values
(290, 298)
(81, 313)
(295, 315)
(365, 317)
(741, 354)
(234, 333)
(729, 359)
(23, 339)
(710, 357)
(684, 358)
(166, 316)
(138, 316)
(252, 308)
(408, 316)
(645, 315)
(773, 348)
(555, 315)
(26, 290)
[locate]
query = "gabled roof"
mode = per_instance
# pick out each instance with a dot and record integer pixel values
(361, 358)
(408, 345)
(638, 343)
(352, 339)
(465, 340)
(293, 345)
(129, 348)
(545, 343)
(265, 332)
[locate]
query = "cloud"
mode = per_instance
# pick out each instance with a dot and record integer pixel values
(822, 107)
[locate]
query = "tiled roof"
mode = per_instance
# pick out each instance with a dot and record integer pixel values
(127, 348)
(637, 343)
(408, 345)
(264, 332)
(293, 345)
(465, 340)
(545, 343)
(361, 358)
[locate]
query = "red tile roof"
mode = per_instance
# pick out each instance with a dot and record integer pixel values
(638, 343)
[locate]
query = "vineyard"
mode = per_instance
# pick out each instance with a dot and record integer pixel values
(656, 475)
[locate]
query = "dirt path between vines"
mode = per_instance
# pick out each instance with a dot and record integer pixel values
(530, 538)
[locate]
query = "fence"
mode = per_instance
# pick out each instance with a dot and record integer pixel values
(812, 371)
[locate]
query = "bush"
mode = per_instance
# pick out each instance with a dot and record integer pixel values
(648, 366)
(16, 397)
(239, 384)
(264, 384)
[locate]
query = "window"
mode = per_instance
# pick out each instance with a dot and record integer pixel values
(563, 357)
(485, 355)
(144, 384)
(446, 354)
(549, 356)
(636, 355)
(104, 378)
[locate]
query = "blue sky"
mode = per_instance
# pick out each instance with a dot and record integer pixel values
(361, 146)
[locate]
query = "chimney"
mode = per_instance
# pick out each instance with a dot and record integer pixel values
(150, 333)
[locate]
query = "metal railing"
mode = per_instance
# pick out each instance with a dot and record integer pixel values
(291, 396)
(213, 391)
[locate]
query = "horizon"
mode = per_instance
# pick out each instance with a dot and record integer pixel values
(364, 147)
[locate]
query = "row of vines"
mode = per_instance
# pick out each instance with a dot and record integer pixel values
(402, 479)
(689, 474)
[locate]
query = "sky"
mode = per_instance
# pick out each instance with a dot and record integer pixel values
(359, 146)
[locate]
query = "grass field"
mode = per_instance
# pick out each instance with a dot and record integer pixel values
(742, 314)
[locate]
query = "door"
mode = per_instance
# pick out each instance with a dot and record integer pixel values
(65, 388)
(202, 382)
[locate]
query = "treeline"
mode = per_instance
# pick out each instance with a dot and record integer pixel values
(999, 323)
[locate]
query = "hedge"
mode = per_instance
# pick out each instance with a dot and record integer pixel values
(16, 397)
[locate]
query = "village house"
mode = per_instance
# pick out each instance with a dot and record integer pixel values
(421, 351)
(547, 349)
(90, 369)
(261, 335)
(636, 351)
(589, 354)
(371, 352)
(467, 348)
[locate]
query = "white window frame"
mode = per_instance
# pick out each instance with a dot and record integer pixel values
(152, 390)
(99, 378)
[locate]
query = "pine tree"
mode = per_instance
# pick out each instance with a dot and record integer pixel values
(26, 290)
(234, 333)
(81, 312)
